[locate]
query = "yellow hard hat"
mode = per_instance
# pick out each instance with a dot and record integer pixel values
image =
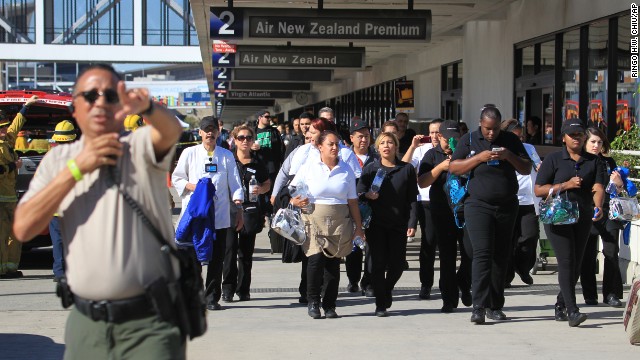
(133, 122)
(64, 132)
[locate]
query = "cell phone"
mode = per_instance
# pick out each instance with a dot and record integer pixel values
(497, 149)
(425, 140)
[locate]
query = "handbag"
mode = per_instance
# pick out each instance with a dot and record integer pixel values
(188, 291)
(632, 314)
(253, 219)
(554, 210)
(288, 223)
(624, 208)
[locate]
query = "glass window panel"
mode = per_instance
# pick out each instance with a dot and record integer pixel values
(169, 23)
(19, 15)
(449, 77)
(547, 56)
(75, 22)
(598, 37)
(528, 60)
(571, 74)
(460, 75)
(626, 103)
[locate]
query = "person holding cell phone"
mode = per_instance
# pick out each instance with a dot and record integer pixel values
(206, 160)
(580, 176)
(492, 157)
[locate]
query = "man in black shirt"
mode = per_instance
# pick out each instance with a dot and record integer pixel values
(298, 139)
(405, 134)
(269, 148)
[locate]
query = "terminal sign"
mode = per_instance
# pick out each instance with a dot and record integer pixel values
(292, 56)
(348, 24)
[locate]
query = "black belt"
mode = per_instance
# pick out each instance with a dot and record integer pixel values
(115, 311)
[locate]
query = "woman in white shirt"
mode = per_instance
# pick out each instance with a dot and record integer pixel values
(329, 223)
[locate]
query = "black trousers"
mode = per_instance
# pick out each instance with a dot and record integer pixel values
(490, 230)
(238, 261)
(302, 288)
(353, 266)
(323, 270)
(428, 244)
(449, 237)
(213, 281)
(525, 242)
(609, 231)
(569, 243)
(388, 254)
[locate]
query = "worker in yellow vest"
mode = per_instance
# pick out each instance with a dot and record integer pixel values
(10, 249)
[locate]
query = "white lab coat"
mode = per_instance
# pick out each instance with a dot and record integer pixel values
(190, 169)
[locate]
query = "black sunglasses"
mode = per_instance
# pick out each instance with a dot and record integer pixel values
(266, 116)
(91, 96)
(243, 138)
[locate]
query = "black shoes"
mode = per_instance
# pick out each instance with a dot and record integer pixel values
(425, 293)
(381, 312)
(12, 275)
(576, 318)
(613, 301)
(314, 310)
(465, 297)
(214, 306)
(368, 292)
(496, 315)
(526, 278)
(227, 298)
(330, 313)
(592, 302)
(244, 297)
(353, 288)
(446, 309)
(477, 316)
(560, 313)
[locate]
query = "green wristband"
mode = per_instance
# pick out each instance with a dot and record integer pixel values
(75, 170)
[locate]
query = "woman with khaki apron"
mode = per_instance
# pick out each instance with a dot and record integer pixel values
(330, 212)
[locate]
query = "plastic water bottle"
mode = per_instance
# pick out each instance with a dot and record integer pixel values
(377, 181)
(359, 242)
(253, 184)
(611, 188)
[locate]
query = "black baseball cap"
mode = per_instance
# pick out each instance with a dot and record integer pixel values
(450, 129)
(208, 121)
(358, 125)
(572, 126)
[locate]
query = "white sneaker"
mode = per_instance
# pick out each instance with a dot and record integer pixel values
(410, 239)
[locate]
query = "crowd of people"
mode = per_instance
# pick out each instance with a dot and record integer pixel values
(495, 233)
(101, 195)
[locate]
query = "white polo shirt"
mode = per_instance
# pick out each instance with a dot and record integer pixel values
(327, 186)
(309, 152)
(526, 182)
(418, 154)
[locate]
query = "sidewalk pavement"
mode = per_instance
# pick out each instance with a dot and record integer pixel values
(274, 326)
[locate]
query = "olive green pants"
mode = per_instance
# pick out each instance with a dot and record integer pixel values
(146, 338)
(10, 249)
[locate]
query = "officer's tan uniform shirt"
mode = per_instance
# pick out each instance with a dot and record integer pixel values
(7, 155)
(110, 254)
